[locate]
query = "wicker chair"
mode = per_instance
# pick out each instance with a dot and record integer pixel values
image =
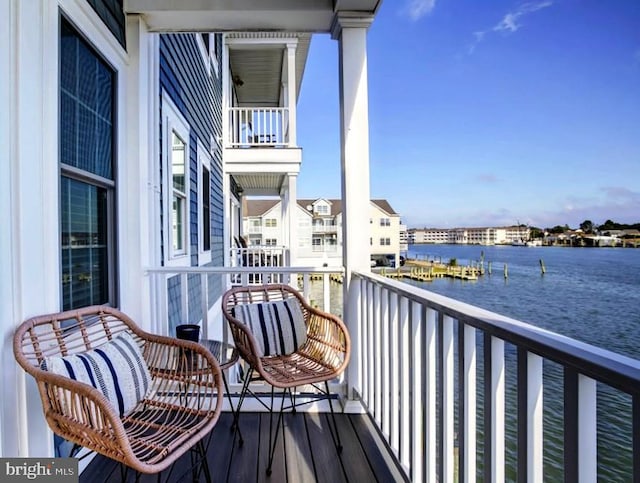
(180, 407)
(322, 357)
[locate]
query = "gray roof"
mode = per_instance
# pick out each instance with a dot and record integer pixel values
(260, 207)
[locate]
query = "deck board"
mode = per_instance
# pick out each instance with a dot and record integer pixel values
(305, 454)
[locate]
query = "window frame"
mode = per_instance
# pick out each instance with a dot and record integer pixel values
(73, 173)
(204, 163)
(173, 121)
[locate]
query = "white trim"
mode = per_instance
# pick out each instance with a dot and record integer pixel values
(172, 120)
(204, 162)
(204, 52)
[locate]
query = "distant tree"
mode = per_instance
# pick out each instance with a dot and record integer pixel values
(536, 232)
(558, 229)
(587, 226)
(609, 225)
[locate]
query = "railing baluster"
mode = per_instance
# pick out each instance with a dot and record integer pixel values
(530, 394)
(386, 367)
(204, 300)
(635, 415)
(405, 384)
(368, 381)
(467, 425)
(326, 293)
(416, 423)
(494, 412)
(448, 402)
(376, 353)
(394, 409)
(430, 426)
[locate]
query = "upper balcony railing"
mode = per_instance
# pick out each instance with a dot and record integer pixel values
(258, 127)
(325, 228)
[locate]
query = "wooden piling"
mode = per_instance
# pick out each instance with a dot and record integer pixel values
(506, 271)
(543, 269)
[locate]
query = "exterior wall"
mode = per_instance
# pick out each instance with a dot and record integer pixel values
(323, 225)
(30, 251)
(194, 87)
(379, 231)
(471, 236)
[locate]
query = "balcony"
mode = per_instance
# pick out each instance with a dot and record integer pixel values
(452, 389)
(325, 228)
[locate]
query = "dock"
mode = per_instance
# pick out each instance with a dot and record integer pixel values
(424, 271)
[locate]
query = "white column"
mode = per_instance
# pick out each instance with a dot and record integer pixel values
(139, 191)
(291, 93)
(351, 33)
(29, 237)
(289, 218)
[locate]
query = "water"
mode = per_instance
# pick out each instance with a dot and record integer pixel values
(590, 294)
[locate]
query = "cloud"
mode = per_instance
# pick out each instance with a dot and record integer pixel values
(510, 22)
(486, 178)
(416, 9)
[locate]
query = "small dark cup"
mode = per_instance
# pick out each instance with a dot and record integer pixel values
(188, 332)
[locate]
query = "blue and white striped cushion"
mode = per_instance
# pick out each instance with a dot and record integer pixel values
(278, 326)
(117, 369)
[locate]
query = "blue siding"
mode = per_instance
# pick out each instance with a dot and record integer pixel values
(198, 97)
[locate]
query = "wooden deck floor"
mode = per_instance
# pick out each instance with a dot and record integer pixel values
(307, 453)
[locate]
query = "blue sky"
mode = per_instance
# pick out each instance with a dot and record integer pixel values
(489, 113)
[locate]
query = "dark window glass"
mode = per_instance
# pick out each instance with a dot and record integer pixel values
(86, 98)
(206, 210)
(87, 92)
(85, 271)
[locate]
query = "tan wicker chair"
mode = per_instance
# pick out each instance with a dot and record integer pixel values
(323, 357)
(180, 408)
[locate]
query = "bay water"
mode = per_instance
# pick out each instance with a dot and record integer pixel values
(590, 294)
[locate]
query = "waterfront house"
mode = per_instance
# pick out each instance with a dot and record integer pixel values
(319, 229)
(504, 235)
(127, 151)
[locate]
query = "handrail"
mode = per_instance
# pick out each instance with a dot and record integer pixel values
(258, 126)
(406, 373)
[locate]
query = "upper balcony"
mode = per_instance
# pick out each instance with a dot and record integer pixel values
(262, 74)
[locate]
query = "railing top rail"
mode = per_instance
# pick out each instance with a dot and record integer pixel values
(237, 270)
(609, 367)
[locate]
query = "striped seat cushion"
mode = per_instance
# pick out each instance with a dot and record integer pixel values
(116, 368)
(278, 326)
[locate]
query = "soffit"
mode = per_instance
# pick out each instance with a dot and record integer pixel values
(259, 66)
(244, 15)
(260, 183)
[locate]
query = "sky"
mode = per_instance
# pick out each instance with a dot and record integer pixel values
(489, 113)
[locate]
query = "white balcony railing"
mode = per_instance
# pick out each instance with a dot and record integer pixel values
(258, 126)
(327, 228)
(455, 388)
(452, 386)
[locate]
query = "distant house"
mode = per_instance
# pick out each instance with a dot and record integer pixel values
(505, 235)
(319, 229)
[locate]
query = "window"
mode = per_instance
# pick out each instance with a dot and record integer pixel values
(385, 222)
(271, 223)
(322, 209)
(271, 242)
(204, 205)
(179, 196)
(385, 241)
(87, 173)
(317, 244)
(175, 185)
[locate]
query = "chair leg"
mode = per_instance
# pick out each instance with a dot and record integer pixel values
(243, 394)
(336, 440)
(234, 426)
(272, 445)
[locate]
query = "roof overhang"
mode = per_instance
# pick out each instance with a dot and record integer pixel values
(245, 15)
